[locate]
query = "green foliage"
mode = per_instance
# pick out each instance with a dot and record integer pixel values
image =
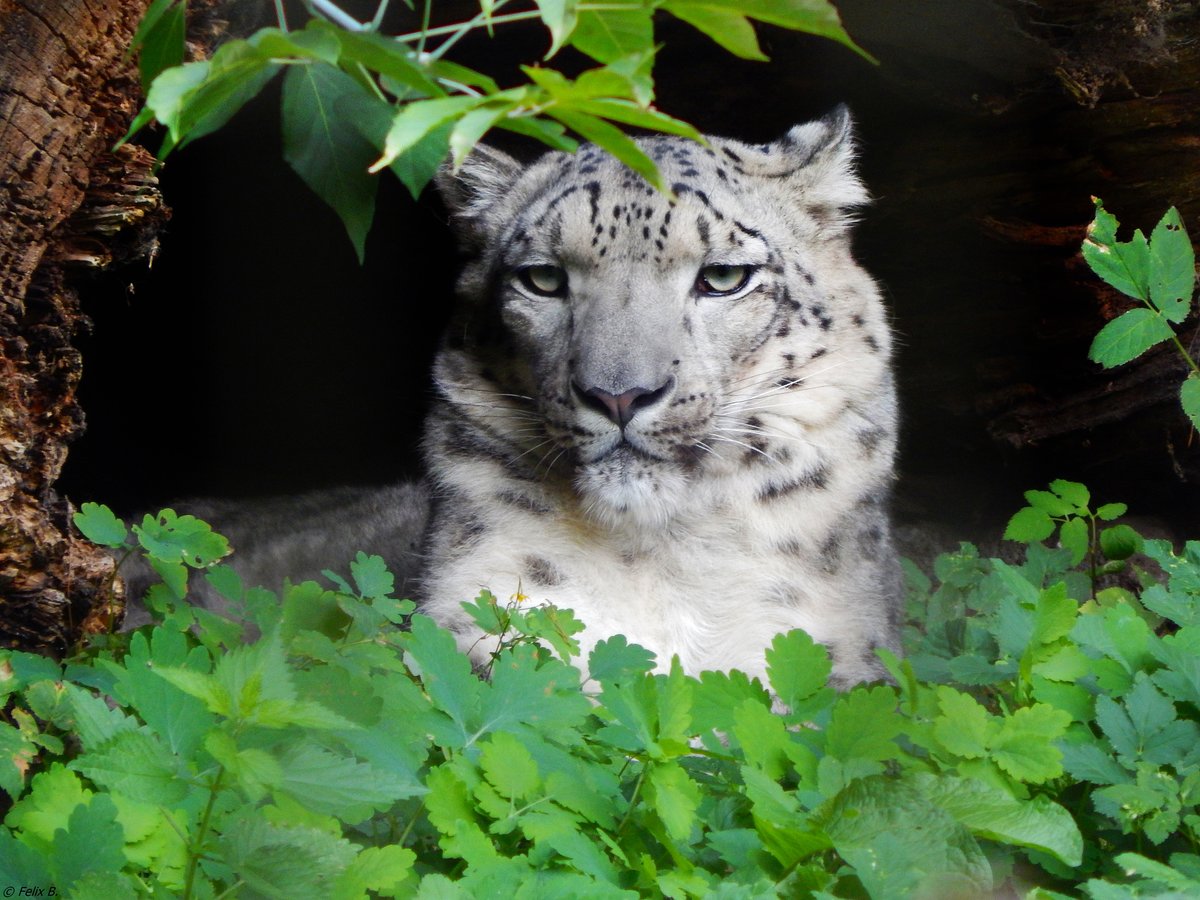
(356, 101)
(1035, 739)
(1161, 274)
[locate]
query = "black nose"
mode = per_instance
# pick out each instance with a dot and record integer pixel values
(621, 408)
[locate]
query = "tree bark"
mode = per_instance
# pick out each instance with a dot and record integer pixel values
(67, 93)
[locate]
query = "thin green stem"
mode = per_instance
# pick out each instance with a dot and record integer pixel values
(425, 13)
(280, 15)
(197, 848)
(637, 790)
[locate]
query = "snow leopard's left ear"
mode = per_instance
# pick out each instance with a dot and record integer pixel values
(816, 161)
(484, 177)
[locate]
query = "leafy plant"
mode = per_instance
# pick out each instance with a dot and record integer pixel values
(356, 102)
(1065, 508)
(1035, 740)
(1161, 274)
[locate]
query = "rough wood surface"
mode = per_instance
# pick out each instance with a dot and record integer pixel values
(66, 95)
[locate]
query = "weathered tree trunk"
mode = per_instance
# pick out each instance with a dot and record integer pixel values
(66, 200)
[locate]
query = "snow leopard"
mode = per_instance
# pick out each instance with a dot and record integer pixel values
(670, 411)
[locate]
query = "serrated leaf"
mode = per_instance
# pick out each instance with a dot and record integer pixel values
(508, 766)
(326, 151)
(94, 721)
(964, 727)
(1189, 398)
(1124, 265)
(98, 524)
(1091, 762)
(797, 666)
(21, 863)
(863, 725)
(16, 754)
(615, 659)
(1110, 511)
(47, 806)
(1073, 535)
(137, 765)
(674, 797)
(1172, 268)
(1054, 615)
(1025, 747)
(1074, 493)
(1029, 525)
(446, 674)
(341, 785)
(1129, 336)
(278, 861)
(380, 869)
(172, 538)
(91, 842)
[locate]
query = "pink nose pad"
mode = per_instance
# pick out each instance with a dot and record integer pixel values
(621, 408)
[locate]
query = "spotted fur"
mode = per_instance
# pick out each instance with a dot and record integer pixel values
(742, 491)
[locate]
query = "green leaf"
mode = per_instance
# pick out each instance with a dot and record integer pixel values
(817, 17)
(614, 659)
(797, 667)
(21, 863)
(730, 29)
(16, 754)
(278, 861)
(1074, 536)
(1110, 511)
(1189, 398)
(161, 39)
(863, 725)
(1129, 336)
(1074, 493)
(1054, 616)
(1029, 525)
(327, 151)
(390, 58)
(1091, 762)
(996, 815)
(1172, 268)
(611, 34)
(509, 767)
(1049, 502)
(1120, 542)
(381, 869)
(1125, 266)
(173, 538)
(964, 727)
(137, 765)
(902, 845)
(314, 43)
(98, 524)
(446, 675)
(1025, 747)
(417, 120)
(560, 17)
(1168, 876)
(325, 782)
(91, 842)
(674, 797)
(609, 137)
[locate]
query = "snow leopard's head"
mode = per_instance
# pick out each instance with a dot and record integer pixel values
(633, 340)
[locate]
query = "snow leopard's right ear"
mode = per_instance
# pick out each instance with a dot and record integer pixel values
(816, 163)
(483, 178)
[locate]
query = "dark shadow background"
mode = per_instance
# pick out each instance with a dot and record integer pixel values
(256, 357)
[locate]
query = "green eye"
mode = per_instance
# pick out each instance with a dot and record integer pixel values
(545, 281)
(719, 281)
